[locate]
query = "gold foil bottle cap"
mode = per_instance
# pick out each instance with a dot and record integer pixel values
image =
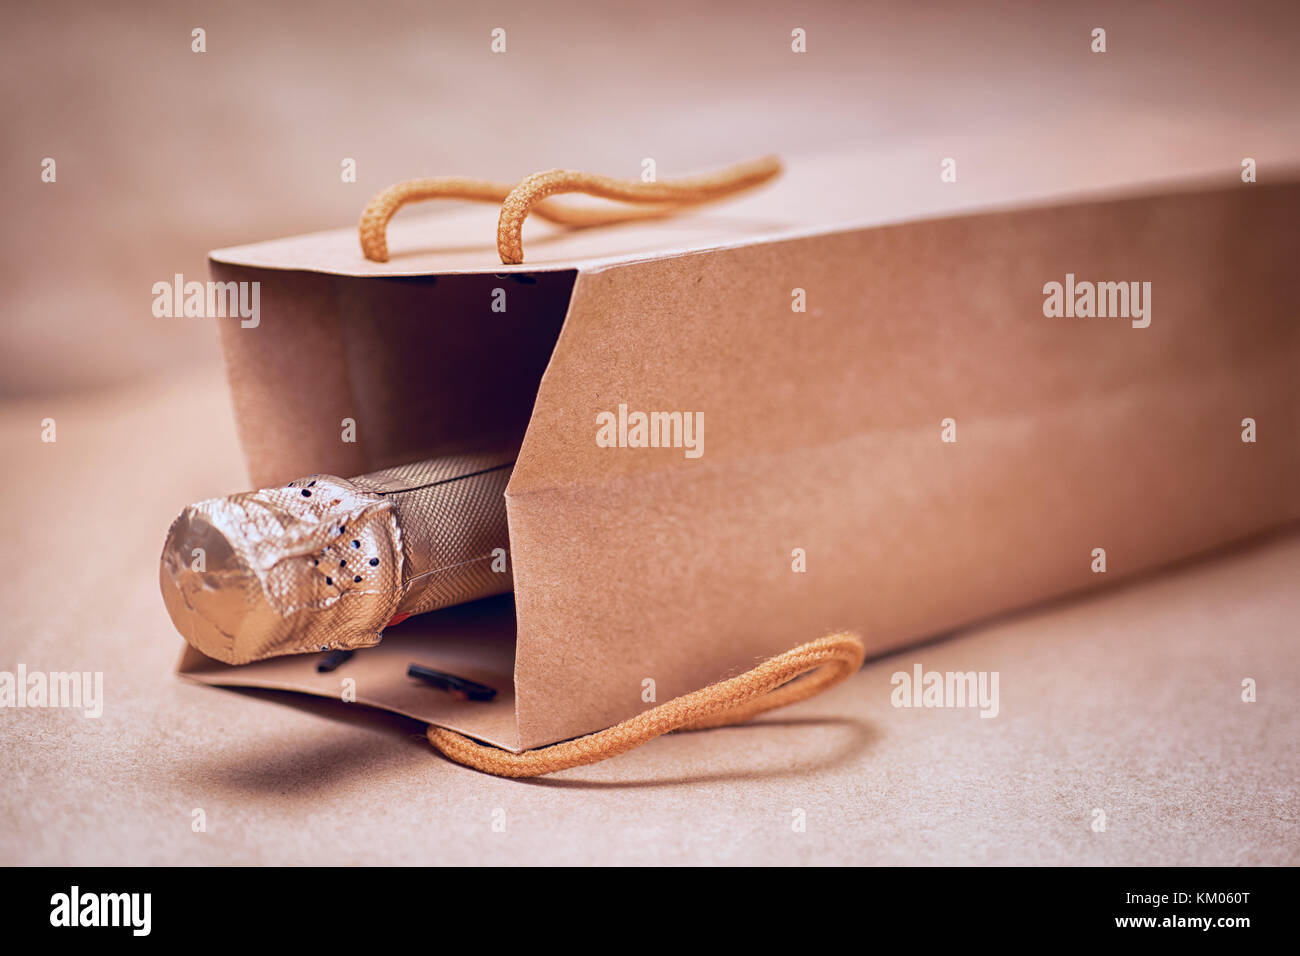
(312, 566)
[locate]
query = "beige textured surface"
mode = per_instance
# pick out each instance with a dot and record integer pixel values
(1128, 702)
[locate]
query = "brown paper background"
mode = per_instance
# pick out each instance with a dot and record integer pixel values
(1127, 700)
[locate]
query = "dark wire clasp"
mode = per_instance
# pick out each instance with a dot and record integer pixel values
(457, 686)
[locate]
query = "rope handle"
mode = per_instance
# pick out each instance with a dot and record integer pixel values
(531, 194)
(770, 685)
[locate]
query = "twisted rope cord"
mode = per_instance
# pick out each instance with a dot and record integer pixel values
(530, 196)
(770, 685)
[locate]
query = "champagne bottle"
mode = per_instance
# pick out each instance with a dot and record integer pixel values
(326, 563)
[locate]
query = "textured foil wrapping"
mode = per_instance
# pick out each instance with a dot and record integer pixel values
(326, 563)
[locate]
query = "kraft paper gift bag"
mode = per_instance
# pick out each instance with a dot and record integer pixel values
(912, 414)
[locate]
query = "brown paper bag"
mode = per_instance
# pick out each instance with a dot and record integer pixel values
(829, 492)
